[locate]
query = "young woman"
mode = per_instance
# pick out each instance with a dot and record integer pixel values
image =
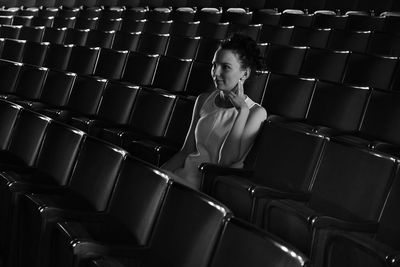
(225, 122)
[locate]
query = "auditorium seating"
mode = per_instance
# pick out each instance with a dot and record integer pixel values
(130, 74)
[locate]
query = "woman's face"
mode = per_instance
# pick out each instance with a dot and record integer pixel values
(226, 70)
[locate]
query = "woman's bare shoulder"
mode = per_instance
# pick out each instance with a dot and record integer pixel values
(258, 112)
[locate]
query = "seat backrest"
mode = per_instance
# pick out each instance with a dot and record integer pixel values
(9, 75)
(57, 87)
(86, 94)
(95, 172)
(151, 112)
(142, 188)
(210, 30)
(384, 44)
(126, 40)
(279, 146)
(182, 47)
(243, 244)
(34, 34)
(57, 56)
(76, 36)
(362, 178)
(298, 20)
(324, 64)
(65, 23)
(10, 31)
(83, 60)
(153, 43)
(199, 80)
(26, 146)
(140, 68)
(285, 59)
(157, 27)
(370, 70)
(54, 35)
(329, 21)
(30, 81)
(183, 211)
(105, 24)
(132, 25)
(34, 53)
(275, 34)
(85, 23)
(181, 28)
(9, 113)
(338, 106)
(59, 150)
(381, 120)
(99, 38)
(364, 23)
(355, 41)
(13, 50)
(288, 96)
(171, 81)
(207, 48)
(254, 86)
(309, 36)
(117, 102)
(111, 63)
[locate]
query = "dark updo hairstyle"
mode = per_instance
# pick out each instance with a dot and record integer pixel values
(246, 49)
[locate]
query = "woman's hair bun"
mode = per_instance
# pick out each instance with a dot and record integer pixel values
(246, 49)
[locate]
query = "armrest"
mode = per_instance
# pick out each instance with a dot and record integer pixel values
(210, 171)
(268, 192)
(323, 221)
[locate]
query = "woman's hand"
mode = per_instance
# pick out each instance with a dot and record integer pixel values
(238, 99)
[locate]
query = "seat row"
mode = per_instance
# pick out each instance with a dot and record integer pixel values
(336, 202)
(58, 179)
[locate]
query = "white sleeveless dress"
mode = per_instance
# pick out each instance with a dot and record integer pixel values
(211, 130)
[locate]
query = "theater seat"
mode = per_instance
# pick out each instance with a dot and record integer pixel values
(89, 190)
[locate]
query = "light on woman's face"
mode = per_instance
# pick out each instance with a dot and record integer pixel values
(226, 69)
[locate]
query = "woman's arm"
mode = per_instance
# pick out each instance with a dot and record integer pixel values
(189, 146)
(242, 134)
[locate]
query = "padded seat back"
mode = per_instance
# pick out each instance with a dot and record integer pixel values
(59, 151)
(57, 87)
(338, 106)
(183, 211)
(9, 113)
(362, 178)
(143, 189)
(95, 172)
(9, 76)
(242, 244)
(140, 68)
(28, 135)
(30, 81)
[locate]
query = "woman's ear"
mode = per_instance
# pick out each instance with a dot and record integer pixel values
(246, 74)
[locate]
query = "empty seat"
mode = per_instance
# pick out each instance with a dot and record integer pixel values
(126, 40)
(385, 44)
(287, 96)
(30, 82)
(285, 59)
(182, 47)
(291, 19)
(199, 80)
(370, 70)
(85, 23)
(364, 23)
(83, 100)
(114, 110)
(251, 30)
(13, 50)
(54, 35)
(275, 34)
(98, 38)
(324, 64)
(10, 31)
(206, 49)
(140, 68)
(60, 22)
(81, 194)
(57, 56)
(76, 36)
(134, 12)
(254, 86)
(34, 34)
(265, 16)
(313, 37)
(337, 106)
(34, 53)
(111, 63)
(42, 21)
(355, 41)
(237, 16)
(171, 81)
(109, 24)
(22, 20)
(152, 43)
(157, 27)
(213, 30)
(83, 60)
(354, 173)
(329, 21)
(9, 75)
(9, 113)
(130, 25)
(6, 20)
(188, 29)
(209, 15)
